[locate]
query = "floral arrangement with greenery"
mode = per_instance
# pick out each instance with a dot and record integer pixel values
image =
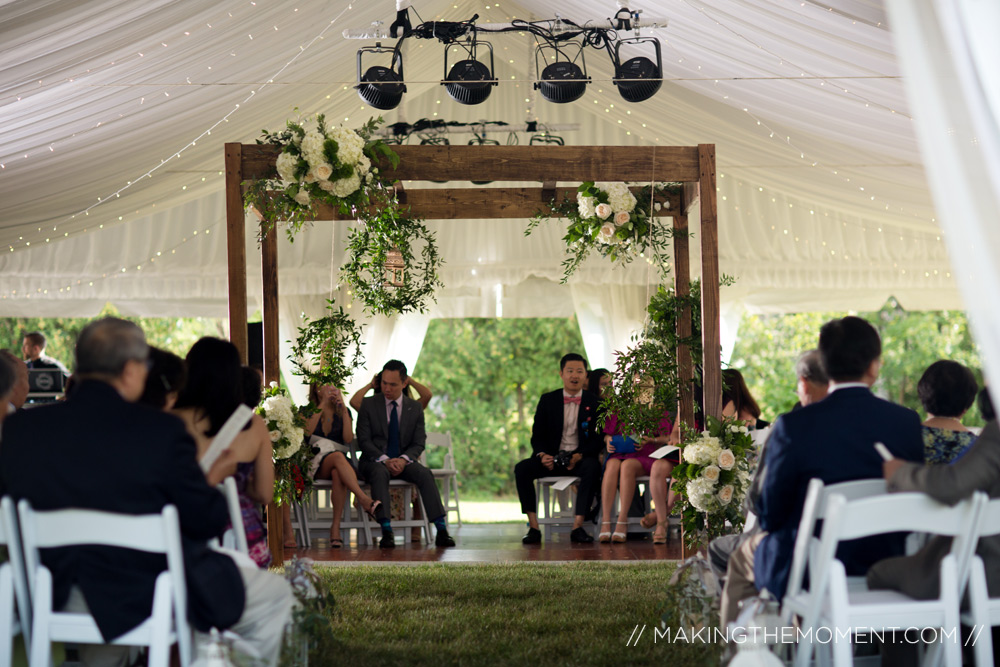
(369, 245)
(608, 218)
(712, 480)
(311, 632)
(286, 425)
(318, 163)
(328, 350)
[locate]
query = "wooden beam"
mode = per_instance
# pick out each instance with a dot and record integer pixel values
(480, 203)
(517, 163)
(710, 327)
(236, 249)
(689, 197)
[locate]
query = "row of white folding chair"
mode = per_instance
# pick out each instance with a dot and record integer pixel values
(15, 603)
(833, 605)
(154, 533)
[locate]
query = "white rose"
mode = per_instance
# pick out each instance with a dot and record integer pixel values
(744, 430)
(727, 459)
(726, 494)
(310, 176)
(327, 186)
(273, 385)
(275, 435)
(603, 211)
(607, 232)
(302, 197)
(323, 171)
(621, 218)
(657, 206)
(711, 473)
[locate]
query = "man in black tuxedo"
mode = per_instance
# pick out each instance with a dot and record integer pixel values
(392, 437)
(832, 440)
(101, 450)
(565, 425)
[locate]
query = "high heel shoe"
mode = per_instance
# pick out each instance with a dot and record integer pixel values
(660, 534)
(373, 508)
(605, 535)
(619, 536)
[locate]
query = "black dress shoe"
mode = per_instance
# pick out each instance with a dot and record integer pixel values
(443, 539)
(580, 536)
(388, 541)
(534, 536)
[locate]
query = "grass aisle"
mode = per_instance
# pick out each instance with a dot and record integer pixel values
(507, 614)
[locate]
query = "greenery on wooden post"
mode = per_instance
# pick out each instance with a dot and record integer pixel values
(328, 350)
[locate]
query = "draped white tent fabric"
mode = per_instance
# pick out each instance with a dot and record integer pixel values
(115, 113)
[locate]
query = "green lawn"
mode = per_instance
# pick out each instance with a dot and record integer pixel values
(507, 614)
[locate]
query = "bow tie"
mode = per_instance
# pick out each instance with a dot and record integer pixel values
(571, 399)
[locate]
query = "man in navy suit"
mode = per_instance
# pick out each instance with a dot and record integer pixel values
(565, 426)
(391, 435)
(832, 440)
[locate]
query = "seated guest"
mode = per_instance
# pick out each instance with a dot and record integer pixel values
(212, 393)
(812, 385)
(598, 380)
(333, 422)
(8, 376)
(33, 348)
(565, 426)
(424, 394)
(165, 379)
(117, 456)
(620, 473)
(737, 400)
(19, 392)
(391, 436)
(832, 440)
(947, 390)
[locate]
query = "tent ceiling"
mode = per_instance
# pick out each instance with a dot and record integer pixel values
(115, 113)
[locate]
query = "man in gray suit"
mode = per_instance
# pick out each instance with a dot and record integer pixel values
(391, 436)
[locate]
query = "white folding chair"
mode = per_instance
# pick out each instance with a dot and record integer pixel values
(797, 600)
(838, 609)
(13, 585)
(410, 491)
(236, 537)
(447, 473)
(550, 519)
(984, 612)
(155, 533)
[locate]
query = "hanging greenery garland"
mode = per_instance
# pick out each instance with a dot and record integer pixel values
(394, 261)
(608, 218)
(328, 350)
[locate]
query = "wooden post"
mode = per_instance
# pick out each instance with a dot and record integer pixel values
(236, 249)
(272, 371)
(710, 327)
(682, 288)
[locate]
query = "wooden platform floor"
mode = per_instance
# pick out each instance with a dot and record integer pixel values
(490, 543)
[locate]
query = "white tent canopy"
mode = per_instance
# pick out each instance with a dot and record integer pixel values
(115, 114)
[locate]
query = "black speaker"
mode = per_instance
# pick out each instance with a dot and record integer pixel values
(255, 344)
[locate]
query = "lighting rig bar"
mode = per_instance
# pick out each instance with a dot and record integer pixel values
(560, 67)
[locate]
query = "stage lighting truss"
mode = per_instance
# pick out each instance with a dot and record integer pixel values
(380, 86)
(560, 68)
(562, 80)
(469, 81)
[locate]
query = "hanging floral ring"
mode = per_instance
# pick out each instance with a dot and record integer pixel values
(394, 262)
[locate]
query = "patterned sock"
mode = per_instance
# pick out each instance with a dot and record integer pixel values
(440, 524)
(386, 526)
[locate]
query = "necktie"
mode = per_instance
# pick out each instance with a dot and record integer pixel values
(571, 399)
(393, 450)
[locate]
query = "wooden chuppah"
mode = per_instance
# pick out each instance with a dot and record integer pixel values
(694, 166)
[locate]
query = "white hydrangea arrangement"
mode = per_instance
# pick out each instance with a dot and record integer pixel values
(713, 478)
(318, 165)
(609, 218)
(291, 456)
